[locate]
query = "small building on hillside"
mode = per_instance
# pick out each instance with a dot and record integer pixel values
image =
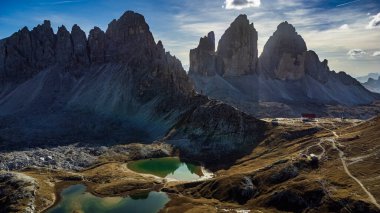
(309, 117)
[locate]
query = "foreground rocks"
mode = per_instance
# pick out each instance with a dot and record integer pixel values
(17, 193)
(77, 157)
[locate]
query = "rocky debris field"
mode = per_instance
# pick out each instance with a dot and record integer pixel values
(76, 157)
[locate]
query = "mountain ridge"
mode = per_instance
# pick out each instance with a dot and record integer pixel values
(286, 73)
(117, 86)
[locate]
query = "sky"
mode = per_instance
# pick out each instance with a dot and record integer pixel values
(345, 32)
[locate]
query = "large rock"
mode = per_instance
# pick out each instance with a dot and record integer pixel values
(80, 48)
(64, 46)
(203, 59)
(236, 55)
(238, 48)
(283, 56)
(128, 37)
(43, 45)
(97, 44)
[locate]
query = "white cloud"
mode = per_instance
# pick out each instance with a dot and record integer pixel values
(344, 27)
(376, 53)
(356, 53)
(241, 4)
(375, 22)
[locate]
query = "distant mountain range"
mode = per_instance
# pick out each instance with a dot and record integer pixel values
(286, 72)
(373, 85)
(363, 79)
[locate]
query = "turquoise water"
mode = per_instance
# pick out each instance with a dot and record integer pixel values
(169, 167)
(76, 199)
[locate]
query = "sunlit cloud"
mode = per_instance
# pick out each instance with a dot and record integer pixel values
(241, 4)
(344, 27)
(356, 53)
(377, 53)
(375, 22)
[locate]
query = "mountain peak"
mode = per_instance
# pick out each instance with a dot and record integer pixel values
(286, 26)
(284, 54)
(238, 48)
(241, 19)
(207, 43)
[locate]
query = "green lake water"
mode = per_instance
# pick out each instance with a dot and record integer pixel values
(76, 199)
(169, 167)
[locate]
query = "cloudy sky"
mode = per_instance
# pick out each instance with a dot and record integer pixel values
(346, 32)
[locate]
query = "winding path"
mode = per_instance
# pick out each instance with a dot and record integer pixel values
(342, 158)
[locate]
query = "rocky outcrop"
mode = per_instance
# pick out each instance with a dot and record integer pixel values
(97, 44)
(238, 48)
(283, 56)
(64, 47)
(315, 68)
(17, 192)
(236, 55)
(203, 59)
(80, 47)
(123, 35)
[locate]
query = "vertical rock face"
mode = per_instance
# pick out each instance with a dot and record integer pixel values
(43, 45)
(283, 56)
(80, 49)
(97, 44)
(316, 69)
(64, 46)
(203, 59)
(18, 54)
(236, 55)
(238, 48)
(124, 34)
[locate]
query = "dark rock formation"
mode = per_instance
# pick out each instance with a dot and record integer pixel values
(238, 48)
(203, 59)
(64, 47)
(80, 47)
(97, 45)
(123, 35)
(283, 56)
(236, 55)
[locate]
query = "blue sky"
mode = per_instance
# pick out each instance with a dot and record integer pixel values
(346, 32)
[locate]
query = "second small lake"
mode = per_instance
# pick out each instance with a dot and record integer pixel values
(76, 199)
(170, 168)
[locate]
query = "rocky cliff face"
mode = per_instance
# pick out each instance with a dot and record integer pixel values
(238, 48)
(236, 55)
(203, 59)
(283, 56)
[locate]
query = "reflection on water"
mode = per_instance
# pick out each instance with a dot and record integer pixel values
(76, 199)
(170, 167)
